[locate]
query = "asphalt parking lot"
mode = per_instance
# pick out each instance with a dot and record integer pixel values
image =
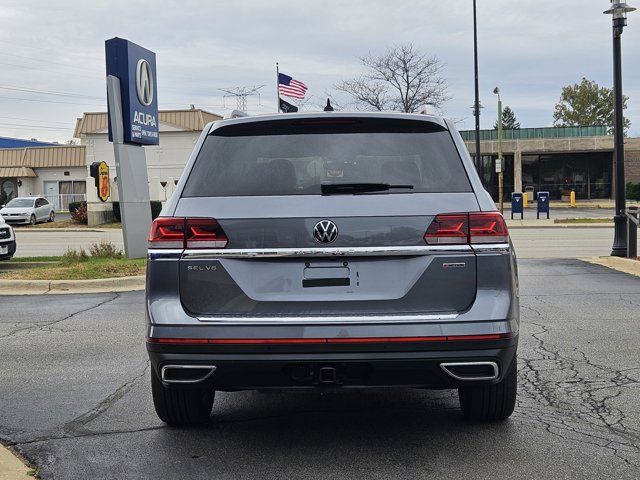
(76, 400)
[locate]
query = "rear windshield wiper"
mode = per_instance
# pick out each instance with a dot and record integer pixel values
(351, 188)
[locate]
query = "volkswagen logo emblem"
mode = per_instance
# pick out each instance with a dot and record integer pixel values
(325, 231)
(144, 82)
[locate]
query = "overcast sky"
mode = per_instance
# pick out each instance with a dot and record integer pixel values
(530, 48)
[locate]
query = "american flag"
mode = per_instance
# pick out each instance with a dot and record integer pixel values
(289, 87)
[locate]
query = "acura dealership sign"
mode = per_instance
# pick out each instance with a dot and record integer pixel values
(132, 97)
(135, 67)
(144, 82)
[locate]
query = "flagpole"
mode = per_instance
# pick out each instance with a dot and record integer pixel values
(277, 87)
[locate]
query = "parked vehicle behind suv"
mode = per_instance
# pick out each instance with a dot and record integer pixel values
(30, 210)
(331, 250)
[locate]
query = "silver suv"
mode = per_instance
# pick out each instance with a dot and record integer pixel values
(331, 250)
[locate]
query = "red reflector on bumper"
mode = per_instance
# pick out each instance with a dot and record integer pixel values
(344, 340)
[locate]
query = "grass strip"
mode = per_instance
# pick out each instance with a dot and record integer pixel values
(583, 220)
(89, 268)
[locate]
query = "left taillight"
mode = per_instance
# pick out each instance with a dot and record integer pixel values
(167, 232)
(178, 232)
(467, 228)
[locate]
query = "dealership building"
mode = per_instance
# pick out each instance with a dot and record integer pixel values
(558, 160)
(56, 171)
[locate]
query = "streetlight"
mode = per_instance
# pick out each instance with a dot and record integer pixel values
(619, 11)
(476, 104)
(500, 164)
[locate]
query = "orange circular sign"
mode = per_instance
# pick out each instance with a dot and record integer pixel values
(104, 186)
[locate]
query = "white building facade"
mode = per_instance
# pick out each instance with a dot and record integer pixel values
(179, 131)
(55, 172)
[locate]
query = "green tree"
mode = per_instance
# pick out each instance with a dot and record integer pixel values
(509, 120)
(586, 104)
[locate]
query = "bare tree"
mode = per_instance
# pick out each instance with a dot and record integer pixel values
(402, 79)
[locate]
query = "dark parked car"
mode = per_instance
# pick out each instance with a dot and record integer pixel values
(331, 250)
(7, 241)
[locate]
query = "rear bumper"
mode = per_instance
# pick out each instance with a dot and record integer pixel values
(246, 367)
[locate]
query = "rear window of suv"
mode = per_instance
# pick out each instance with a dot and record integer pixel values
(296, 157)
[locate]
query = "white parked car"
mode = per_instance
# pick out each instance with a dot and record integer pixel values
(7, 241)
(28, 210)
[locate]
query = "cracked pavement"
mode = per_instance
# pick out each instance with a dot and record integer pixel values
(75, 399)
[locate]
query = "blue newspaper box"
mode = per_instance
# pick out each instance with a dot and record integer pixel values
(543, 203)
(517, 204)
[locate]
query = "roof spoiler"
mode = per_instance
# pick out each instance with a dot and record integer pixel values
(236, 114)
(428, 110)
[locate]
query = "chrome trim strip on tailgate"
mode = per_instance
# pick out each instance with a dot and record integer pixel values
(202, 254)
(327, 320)
(491, 247)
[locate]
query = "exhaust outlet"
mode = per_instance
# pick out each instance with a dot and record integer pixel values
(471, 371)
(173, 374)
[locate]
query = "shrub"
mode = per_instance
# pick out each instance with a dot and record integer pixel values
(156, 207)
(116, 211)
(633, 191)
(74, 256)
(105, 250)
(73, 206)
(80, 215)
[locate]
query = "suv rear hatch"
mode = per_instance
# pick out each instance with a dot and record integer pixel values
(263, 197)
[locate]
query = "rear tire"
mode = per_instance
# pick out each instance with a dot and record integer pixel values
(180, 407)
(491, 402)
(52, 216)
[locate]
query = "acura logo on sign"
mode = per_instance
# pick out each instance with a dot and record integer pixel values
(325, 231)
(144, 82)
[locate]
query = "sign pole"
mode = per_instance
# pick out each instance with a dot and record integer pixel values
(132, 179)
(278, 87)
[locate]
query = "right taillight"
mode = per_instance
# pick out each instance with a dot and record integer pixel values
(467, 228)
(179, 232)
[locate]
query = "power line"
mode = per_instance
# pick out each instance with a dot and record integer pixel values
(52, 101)
(40, 69)
(34, 120)
(34, 127)
(48, 92)
(66, 65)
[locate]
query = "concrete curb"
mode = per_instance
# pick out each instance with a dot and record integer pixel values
(12, 467)
(78, 230)
(102, 285)
(513, 226)
(625, 265)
